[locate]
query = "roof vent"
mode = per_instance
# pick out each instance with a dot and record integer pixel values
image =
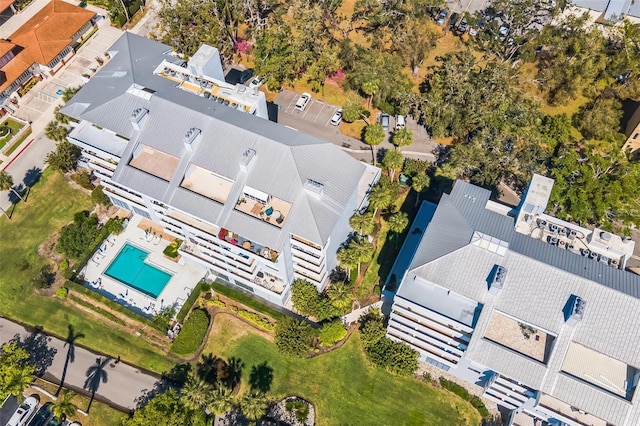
(246, 160)
(191, 138)
(314, 187)
(605, 236)
(138, 117)
(499, 277)
(576, 310)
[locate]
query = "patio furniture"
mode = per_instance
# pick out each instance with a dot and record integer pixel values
(257, 208)
(269, 211)
(246, 245)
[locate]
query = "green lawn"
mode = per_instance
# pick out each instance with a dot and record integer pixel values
(51, 204)
(344, 389)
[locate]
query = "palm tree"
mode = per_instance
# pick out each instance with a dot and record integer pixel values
(398, 222)
(419, 183)
(370, 88)
(6, 183)
(72, 336)
(254, 405)
(402, 137)
(380, 198)
(363, 249)
(341, 296)
(96, 374)
(348, 258)
(220, 401)
(195, 392)
(373, 135)
(363, 223)
(393, 160)
(55, 131)
(63, 407)
(60, 117)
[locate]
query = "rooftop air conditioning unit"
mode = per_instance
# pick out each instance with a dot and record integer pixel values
(191, 138)
(577, 311)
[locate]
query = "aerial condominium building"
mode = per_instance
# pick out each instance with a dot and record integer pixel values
(258, 205)
(539, 312)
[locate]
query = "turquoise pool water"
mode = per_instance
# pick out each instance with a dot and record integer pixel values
(130, 269)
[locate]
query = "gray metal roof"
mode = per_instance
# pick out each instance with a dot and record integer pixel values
(540, 280)
(284, 158)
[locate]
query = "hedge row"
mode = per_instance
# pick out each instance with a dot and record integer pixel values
(195, 294)
(192, 334)
(108, 315)
(256, 319)
(112, 305)
(464, 394)
(72, 272)
(247, 301)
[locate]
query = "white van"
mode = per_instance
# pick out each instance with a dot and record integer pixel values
(400, 122)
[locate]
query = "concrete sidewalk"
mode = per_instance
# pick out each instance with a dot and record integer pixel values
(124, 382)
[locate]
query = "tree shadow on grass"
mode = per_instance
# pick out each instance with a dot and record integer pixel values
(37, 345)
(261, 377)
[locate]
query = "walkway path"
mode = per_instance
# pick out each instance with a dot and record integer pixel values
(124, 383)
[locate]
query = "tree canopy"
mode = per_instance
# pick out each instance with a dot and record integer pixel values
(16, 370)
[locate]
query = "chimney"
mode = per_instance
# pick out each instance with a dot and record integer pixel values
(247, 160)
(191, 139)
(497, 282)
(138, 118)
(577, 311)
(313, 188)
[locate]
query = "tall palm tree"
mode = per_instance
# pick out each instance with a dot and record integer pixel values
(96, 374)
(363, 223)
(373, 135)
(220, 401)
(254, 405)
(419, 183)
(195, 392)
(393, 160)
(363, 249)
(72, 336)
(380, 197)
(340, 295)
(398, 222)
(348, 258)
(63, 407)
(6, 184)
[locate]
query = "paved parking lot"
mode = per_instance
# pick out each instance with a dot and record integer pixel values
(47, 92)
(315, 120)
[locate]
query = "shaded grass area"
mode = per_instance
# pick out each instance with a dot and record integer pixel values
(388, 245)
(101, 414)
(343, 387)
(52, 203)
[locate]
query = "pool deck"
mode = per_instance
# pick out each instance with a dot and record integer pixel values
(184, 279)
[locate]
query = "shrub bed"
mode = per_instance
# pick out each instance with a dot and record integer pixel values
(464, 394)
(256, 319)
(331, 333)
(247, 301)
(192, 334)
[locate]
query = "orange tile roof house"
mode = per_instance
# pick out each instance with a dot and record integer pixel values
(42, 44)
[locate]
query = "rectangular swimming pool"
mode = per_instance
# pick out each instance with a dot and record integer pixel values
(129, 268)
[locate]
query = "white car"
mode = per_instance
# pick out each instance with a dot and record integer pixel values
(25, 412)
(400, 122)
(256, 82)
(303, 101)
(337, 117)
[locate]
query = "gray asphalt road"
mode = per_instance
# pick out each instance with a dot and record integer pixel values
(26, 168)
(124, 383)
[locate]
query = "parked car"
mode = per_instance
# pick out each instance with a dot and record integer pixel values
(442, 17)
(337, 117)
(473, 32)
(245, 75)
(400, 122)
(453, 20)
(503, 32)
(42, 416)
(303, 101)
(384, 121)
(256, 82)
(463, 26)
(25, 411)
